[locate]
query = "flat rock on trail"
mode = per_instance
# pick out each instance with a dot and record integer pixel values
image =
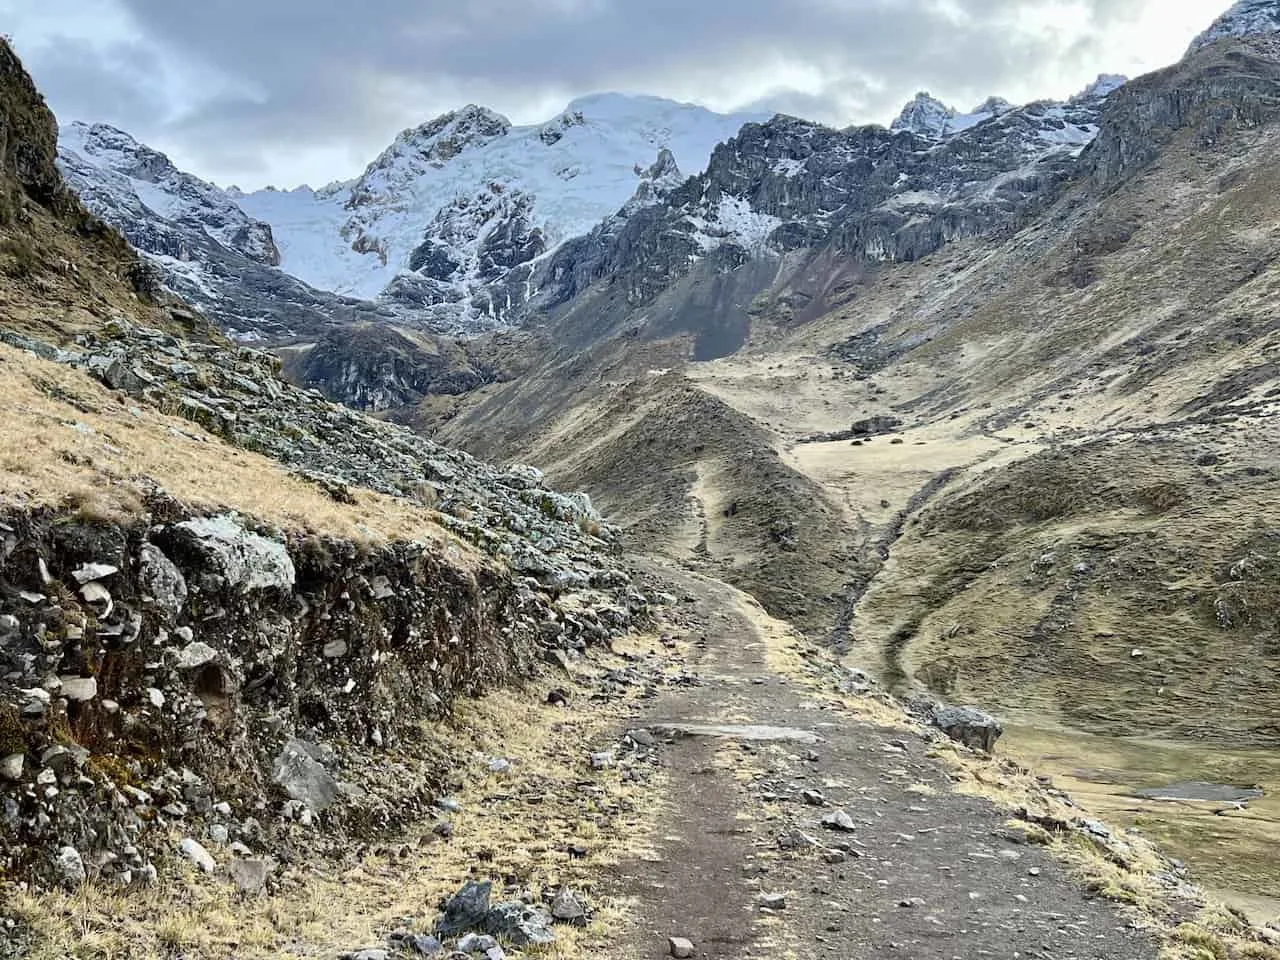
(924, 874)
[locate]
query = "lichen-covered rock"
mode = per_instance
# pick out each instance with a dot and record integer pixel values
(466, 909)
(244, 560)
(162, 583)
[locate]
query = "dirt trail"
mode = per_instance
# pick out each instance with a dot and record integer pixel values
(927, 874)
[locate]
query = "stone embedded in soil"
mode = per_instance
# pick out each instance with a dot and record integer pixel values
(250, 875)
(71, 865)
(298, 770)
(79, 688)
(569, 908)
(680, 948)
(839, 820)
(774, 901)
(465, 909)
(194, 851)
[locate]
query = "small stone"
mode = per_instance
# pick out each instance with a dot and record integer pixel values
(642, 737)
(219, 834)
(79, 689)
(250, 875)
(194, 851)
(156, 697)
(568, 908)
(335, 649)
(1034, 872)
(11, 767)
(813, 798)
(774, 901)
(196, 655)
(601, 761)
(90, 572)
(839, 820)
(99, 597)
(370, 953)
(476, 943)
(71, 865)
(499, 765)
(680, 948)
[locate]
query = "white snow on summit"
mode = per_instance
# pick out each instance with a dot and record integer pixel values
(1246, 18)
(929, 117)
(563, 177)
(114, 169)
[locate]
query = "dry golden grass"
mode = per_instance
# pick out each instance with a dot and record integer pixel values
(68, 441)
(514, 827)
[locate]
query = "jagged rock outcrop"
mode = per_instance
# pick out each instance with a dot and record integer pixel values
(378, 367)
(1217, 88)
(869, 193)
(28, 140)
(1242, 19)
(38, 213)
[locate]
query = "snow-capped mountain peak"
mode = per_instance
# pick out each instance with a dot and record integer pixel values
(925, 116)
(1104, 86)
(1243, 19)
(928, 117)
(445, 224)
(103, 162)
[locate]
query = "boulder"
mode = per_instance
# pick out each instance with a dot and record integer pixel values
(973, 728)
(520, 924)
(245, 561)
(160, 580)
(298, 770)
(250, 875)
(466, 909)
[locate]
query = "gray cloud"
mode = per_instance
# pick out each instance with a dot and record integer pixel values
(329, 81)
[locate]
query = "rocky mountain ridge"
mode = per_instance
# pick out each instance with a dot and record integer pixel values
(440, 232)
(457, 225)
(1244, 18)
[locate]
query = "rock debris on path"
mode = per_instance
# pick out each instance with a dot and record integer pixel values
(845, 844)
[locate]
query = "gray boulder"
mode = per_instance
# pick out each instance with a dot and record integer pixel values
(520, 924)
(161, 580)
(299, 771)
(465, 910)
(973, 728)
(245, 561)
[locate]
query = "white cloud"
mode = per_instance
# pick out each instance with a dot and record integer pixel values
(291, 90)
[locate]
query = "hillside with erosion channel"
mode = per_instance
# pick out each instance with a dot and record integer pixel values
(867, 545)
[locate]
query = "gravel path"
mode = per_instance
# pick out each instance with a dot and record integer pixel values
(920, 872)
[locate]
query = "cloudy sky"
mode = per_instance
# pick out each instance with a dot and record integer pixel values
(286, 91)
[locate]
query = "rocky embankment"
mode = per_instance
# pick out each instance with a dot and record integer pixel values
(192, 678)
